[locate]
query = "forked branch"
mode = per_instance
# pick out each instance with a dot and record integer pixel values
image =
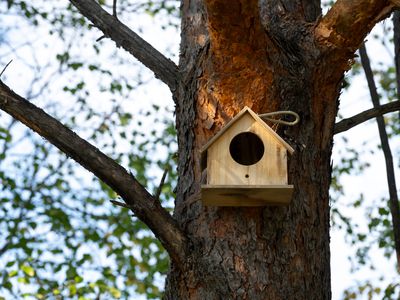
(364, 116)
(393, 197)
(163, 68)
(142, 204)
(347, 23)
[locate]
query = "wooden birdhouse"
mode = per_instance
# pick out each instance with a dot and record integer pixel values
(246, 165)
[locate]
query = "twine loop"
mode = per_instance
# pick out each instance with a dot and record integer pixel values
(267, 116)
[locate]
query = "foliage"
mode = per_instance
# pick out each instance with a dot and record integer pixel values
(60, 235)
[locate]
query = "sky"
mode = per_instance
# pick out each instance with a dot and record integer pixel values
(372, 183)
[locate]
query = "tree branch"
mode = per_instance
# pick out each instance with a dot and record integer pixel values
(394, 200)
(142, 204)
(163, 68)
(396, 42)
(357, 119)
(5, 68)
(347, 23)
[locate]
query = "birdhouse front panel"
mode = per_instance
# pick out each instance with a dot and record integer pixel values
(246, 154)
(246, 165)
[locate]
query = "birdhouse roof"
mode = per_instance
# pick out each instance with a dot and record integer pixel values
(247, 110)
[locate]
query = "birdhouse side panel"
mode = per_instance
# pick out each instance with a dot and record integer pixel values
(272, 168)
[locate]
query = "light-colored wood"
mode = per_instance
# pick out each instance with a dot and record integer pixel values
(258, 120)
(223, 170)
(225, 195)
(233, 183)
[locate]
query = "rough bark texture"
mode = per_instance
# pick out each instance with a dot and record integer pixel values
(267, 55)
(234, 54)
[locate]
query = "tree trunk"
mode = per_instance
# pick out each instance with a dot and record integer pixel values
(235, 54)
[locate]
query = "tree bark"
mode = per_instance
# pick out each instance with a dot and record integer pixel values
(233, 55)
(268, 56)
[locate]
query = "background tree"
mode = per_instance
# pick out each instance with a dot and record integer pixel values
(263, 55)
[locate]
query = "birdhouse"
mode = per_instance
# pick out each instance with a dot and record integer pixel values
(245, 164)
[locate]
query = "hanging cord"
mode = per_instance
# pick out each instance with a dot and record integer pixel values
(281, 112)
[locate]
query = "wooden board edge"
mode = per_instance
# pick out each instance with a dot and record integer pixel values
(261, 195)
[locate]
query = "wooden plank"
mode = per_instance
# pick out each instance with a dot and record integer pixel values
(261, 195)
(223, 170)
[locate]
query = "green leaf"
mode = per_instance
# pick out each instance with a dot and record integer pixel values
(56, 292)
(24, 280)
(383, 211)
(75, 66)
(71, 272)
(115, 292)
(10, 263)
(28, 270)
(72, 289)
(7, 285)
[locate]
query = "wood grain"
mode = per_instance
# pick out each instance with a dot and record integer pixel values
(225, 195)
(223, 170)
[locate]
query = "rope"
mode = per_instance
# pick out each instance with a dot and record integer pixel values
(281, 112)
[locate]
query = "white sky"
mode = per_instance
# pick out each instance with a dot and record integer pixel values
(372, 183)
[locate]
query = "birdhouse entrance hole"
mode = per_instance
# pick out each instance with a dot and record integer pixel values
(246, 148)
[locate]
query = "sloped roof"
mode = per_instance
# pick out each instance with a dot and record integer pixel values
(257, 119)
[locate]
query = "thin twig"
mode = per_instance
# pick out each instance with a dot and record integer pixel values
(122, 204)
(364, 116)
(4, 248)
(115, 9)
(100, 38)
(158, 192)
(396, 42)
(394, 200)
(5, 67)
